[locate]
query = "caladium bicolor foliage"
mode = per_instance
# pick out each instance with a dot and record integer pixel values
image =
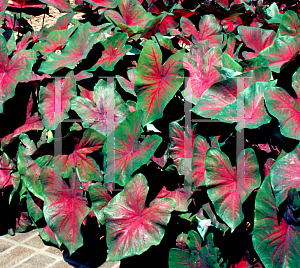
(180, 195)
(209, 29)
(103, 3)
(285, 108)
(62, 5)
(54, 101)
(248, 110)
(256, 38)
(115, 49)
(181, 142)
(105, 112)
(128, 85)
(155, 84)
(32, 122)
(290, 24)
(65, 207)
(131, 227)
(28, 168)
(127, 154)
(276, 59)
(86, 141)
(285, 174)
(228, 188)
(276, 239)
(54, 40)
(99, 198)
(200, 63)
(76, 49)
(199, 151)
(225, 92)
(133, 17)
(13, 70)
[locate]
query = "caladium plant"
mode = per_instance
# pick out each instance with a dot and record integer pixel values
(191, 157)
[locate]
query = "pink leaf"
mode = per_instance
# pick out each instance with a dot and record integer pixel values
(200, 62)
(64, 207)
(130, 226)
(256, 39)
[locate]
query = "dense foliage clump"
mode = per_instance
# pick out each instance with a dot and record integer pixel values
(170, 128)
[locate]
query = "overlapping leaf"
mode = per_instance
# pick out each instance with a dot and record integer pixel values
(285, 108)
(290, 24)
(55, 39)
(228, 188)
(133, 17)
(65, 207)
(84, 141)
(180, 195)
(256, 38)
(156, 84)
(13, 70)
(248, 110)
(273, 54)
(284, 174)
(200, 62)
(99, 198)
(199, 151)
(209, 29)
(127, 153)
(28, 168)
(106, 111)
(225, 92)
(54, 101)
(130, 226)
(76, 49)
(128, 85)
(276, 240)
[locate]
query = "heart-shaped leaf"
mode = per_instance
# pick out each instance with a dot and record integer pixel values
(251, 112)
(65, 207)
(290, 24)
(84, 141)
(285, 174)
(130, 226)
(276, 241)
(274, 55)
(209, 29)
(285, 108)
(156, 84)
(228, 188)
(133, 17)
(54, 40)
(115, 49)
(98, 114)
(256, 38)
(129, 153)
(76, 49)
(13, 70)
(200, 62)
(54, 101)
(225, 92)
